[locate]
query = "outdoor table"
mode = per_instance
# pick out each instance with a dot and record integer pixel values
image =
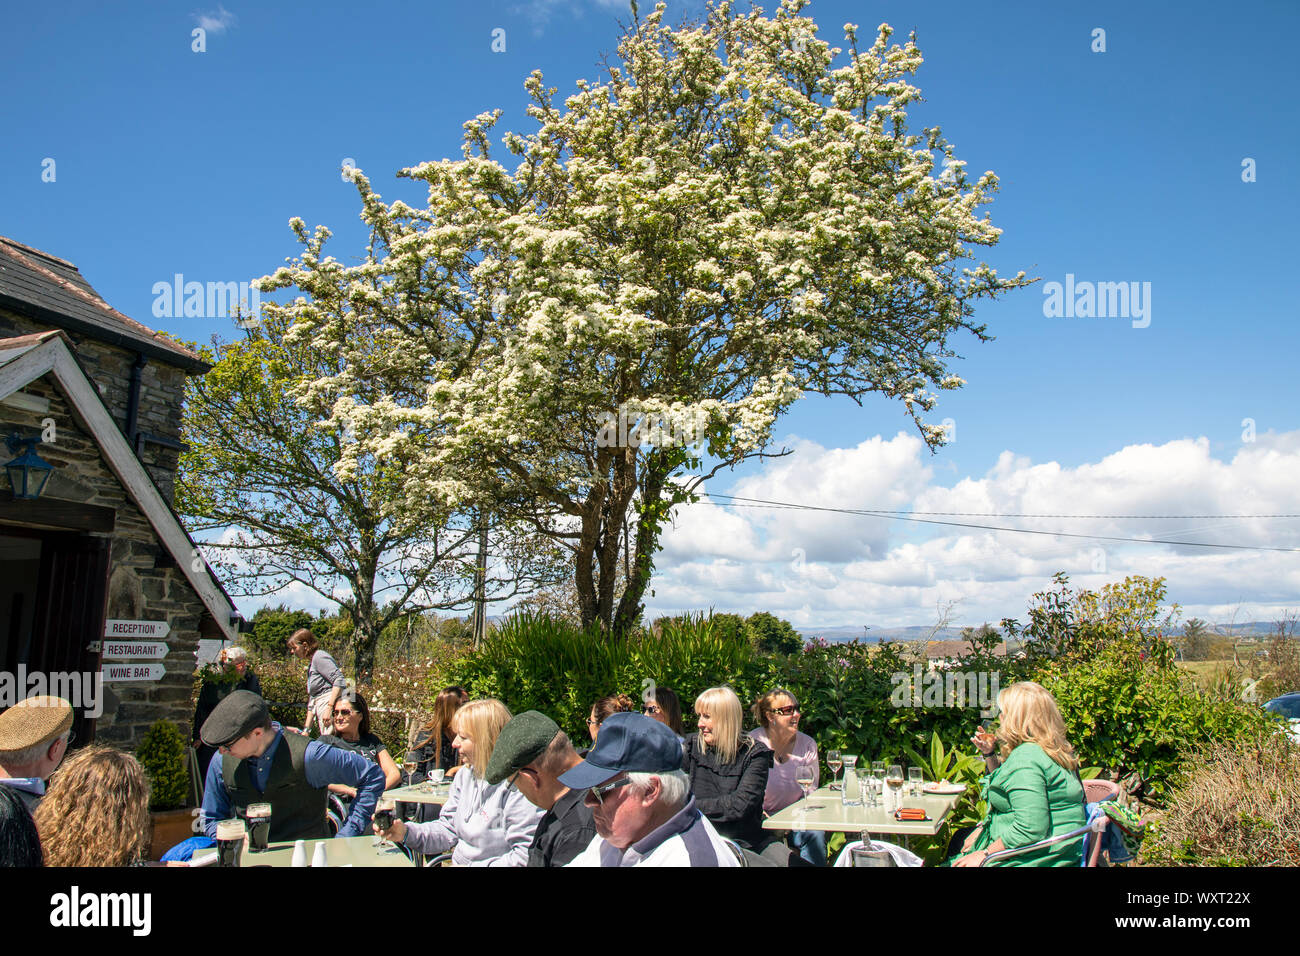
(340, 851)
(833, 816)
(421, 793)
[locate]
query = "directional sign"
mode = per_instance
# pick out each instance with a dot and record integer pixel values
(136, 629)
(122, 672)
(131, 650)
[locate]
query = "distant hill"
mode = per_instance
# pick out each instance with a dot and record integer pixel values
(920, 632)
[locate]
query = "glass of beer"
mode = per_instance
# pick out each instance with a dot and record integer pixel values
(384, 811)
(259, 826)
(230, 842)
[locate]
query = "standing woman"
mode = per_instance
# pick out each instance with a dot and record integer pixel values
(325, 680)
(778, 715)
(483, 824)
(728, 769)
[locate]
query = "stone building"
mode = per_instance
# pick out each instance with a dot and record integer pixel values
(102, 396)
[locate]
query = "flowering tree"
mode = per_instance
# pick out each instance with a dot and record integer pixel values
(726, 222)
(290, 499)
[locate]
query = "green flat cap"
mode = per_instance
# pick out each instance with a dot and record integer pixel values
(34, 721)
(235, 716)
(523, 739)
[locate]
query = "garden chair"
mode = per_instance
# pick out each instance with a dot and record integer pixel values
(1095, 827)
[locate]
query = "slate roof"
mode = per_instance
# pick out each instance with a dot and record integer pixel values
(53, 290)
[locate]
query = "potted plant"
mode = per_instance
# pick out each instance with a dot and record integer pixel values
(162, 753)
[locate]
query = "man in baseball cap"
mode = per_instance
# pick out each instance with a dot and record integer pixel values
(531, 752)
(257, 762)
(641, 800)
(34, 736)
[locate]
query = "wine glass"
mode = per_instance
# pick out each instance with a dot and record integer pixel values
(834, 760)
(894, 780)
(409, 766)
(806, 778)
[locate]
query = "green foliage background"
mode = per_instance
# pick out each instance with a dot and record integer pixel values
(162, 754)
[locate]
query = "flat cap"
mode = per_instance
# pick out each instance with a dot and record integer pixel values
(522, 740)
(240, 712)
(34, 721)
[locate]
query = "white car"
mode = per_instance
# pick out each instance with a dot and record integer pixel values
(1288, 707)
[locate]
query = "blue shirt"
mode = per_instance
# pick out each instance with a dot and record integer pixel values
(323, 765)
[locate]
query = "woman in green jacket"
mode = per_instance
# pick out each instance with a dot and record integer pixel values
(1033, 790)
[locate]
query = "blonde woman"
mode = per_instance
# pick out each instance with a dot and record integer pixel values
(728, 769)
(487, 825)
(96, 812)
(1035, 791)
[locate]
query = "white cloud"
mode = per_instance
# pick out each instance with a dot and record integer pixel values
(828, 569)
(217, 22)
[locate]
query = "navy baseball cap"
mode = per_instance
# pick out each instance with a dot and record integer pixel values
(632, 743)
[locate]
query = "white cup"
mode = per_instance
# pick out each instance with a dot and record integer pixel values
(437, 776)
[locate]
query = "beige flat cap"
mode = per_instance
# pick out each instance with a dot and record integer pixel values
(36, 720)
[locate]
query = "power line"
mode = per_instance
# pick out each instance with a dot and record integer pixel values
(759, 503)
(983, 514)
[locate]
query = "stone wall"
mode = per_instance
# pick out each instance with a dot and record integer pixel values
(138, 588)
(162, 392)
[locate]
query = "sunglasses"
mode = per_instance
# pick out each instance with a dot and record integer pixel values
(652, 709)
(599, 792)
(786, 711)
(344, 713)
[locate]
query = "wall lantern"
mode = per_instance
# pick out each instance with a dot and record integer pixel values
(29, 471)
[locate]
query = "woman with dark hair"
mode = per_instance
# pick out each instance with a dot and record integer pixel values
(325, 680)
(613, 704)
(20, 844)
(352, 732)
(96, 812)
(662, 704)
(432, 747)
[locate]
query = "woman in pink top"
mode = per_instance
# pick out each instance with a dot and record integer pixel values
(777, 713)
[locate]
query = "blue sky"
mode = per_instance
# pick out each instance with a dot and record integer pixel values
(1116, 166)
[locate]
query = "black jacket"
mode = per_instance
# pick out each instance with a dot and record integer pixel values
(731, 795)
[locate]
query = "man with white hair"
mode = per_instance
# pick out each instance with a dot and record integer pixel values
(34, 736)
(641, 800)
(234, 675)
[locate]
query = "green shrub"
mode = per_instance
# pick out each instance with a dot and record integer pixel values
(272, 627)
(1127, 708)
(845, 690)
(162, 754)
(536, 662)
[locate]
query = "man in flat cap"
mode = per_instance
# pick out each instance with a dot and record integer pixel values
(641, 800)
(34, 736)
(257, 762)
(532, 752)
